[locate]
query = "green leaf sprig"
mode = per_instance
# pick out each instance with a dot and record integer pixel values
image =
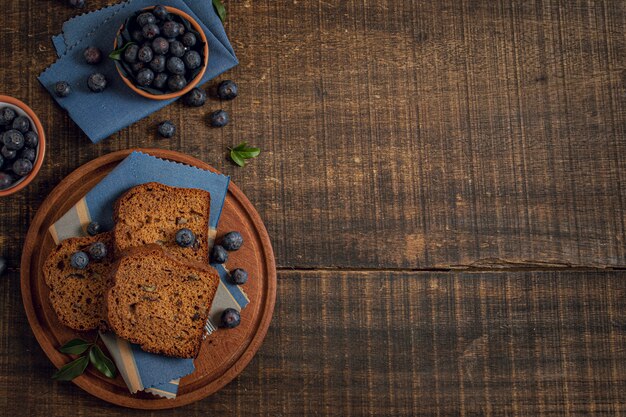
(90, 352)
(220, 9)
(117, 54)
(241, 152)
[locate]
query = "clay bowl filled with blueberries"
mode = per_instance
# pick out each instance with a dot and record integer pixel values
(23, 145)
(160, 52)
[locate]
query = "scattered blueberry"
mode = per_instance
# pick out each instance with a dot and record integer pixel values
(177, 49)
(192, 59)
(230, 318)
(157, 64)
(219, 118)
(62, 89)
(22, 167)
(79, 260)
(160, 81)
(13, 139)
(92, 55)
(7, 115)
(176, 82)
(93, 228)
(5, 180)
(185, 238)
(97, 82)
(31, 139)
(97, 250)
(21, 123)
(239, 276)
(145, 77)
(219, 254)
(196, 97)
(171, 29)
(146, 18)
(175, 65)
(189, 39)
(160, 12)
(8, 153)
(145, 54)
(227, 90)
(232, 241)
(30, 154)
(3, 265)
(150, 31)
(160, 45)
(130, 54)
(167, 130)
(77, 4)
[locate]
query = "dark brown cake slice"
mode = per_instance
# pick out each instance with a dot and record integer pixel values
(160, 301)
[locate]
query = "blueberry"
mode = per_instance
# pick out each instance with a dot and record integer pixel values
(232, 241)
(160, 81)
(192, 59)
(176, 82)
(227, 90)
(184, 237)
(230, 318)
(77, 4)
(98, 251)
(219, 118)
(146, 18)
(5, 180)
(1, 160)
(175, 65)
(137, 66)
(181, 29)
(196, 97)
(145, 54)
(239, 276)
(7, 115)
(93, 228)
(160, 12)
(150, 31)
(8, 153)
(167, 130)
(145, 77)
(189, 39)
(92, 55)
(22, 124)
(62, 89)
(171, 29)
(3, 265)
(97, 82)
(219, 254)
(158, 63)
(79, 260)
(137, 35)
(177, 49)
(29, 153)
(31, 139)
(22, 167)
(13, 139)
(160, 45)
(130, 54)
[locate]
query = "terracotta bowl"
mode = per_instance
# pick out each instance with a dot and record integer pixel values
(192, 83)
(23, 110)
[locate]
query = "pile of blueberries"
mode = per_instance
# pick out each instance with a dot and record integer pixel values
(19, 147)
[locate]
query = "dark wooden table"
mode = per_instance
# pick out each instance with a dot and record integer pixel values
(444, 185)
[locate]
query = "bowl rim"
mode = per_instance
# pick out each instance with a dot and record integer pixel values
(41, 149)
(192, 83)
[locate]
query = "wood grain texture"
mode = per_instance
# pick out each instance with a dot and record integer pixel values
(419, 344)
(461, 132)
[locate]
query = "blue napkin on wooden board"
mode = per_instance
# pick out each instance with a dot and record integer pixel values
(100, 115)
(156, 374)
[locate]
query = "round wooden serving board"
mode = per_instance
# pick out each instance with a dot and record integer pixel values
(224, 354)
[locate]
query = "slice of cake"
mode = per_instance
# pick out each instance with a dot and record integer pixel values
(154, 213)
(78, 295)
(160, 301)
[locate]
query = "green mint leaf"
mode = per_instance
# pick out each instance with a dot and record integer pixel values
(241, 152)
(249, 153)
(240, 147)
(75, 346)
(220, 9)
(236, 158)
(117, 54)
(71, 370)
(102, 362)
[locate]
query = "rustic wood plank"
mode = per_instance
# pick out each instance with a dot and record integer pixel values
(456, 132)
(392, 344)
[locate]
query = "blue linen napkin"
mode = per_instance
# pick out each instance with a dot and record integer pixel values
(141, 370)
(100, 115)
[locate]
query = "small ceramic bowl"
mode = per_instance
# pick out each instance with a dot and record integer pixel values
(23, 110)
(192, 83)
